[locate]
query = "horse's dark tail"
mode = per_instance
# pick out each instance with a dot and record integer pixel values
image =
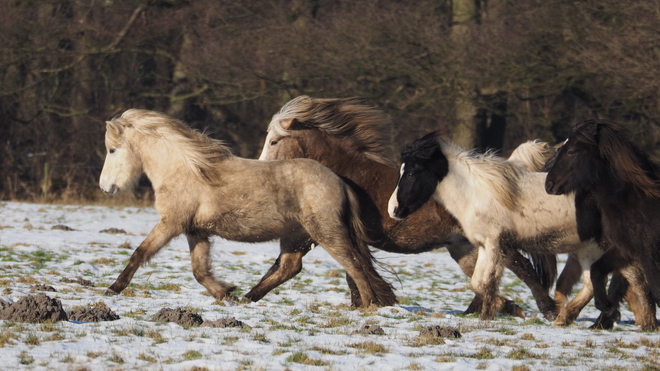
(545, 266)
(383, 291)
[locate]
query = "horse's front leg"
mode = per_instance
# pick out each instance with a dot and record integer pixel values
(570, 312)
(201, 265)
(161, 234)
(293, 246)
(487, 276)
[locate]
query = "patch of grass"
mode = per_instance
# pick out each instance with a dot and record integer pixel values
(527, 336)
(116, 358)
(229, 340)
(483, 353)
(102, 261)
(261, 337)
(6, 338)
(25, 359)
(55, 337)
(147, 358)
(32, 340)
(28, 279)
(644, 341)
(303, 358)
(521, 353)
(94, 354)
(420, 341)
(336, 322)
(192, 354)
(168, 287)
(328, 351)
(157, 336)
(67, 359)
(370, 347)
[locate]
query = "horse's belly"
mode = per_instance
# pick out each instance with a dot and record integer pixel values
(244, 228)
(550, 241)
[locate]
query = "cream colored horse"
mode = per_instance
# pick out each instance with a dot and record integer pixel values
(201, 189)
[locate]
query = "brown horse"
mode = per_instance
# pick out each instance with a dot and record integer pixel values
(354, 141)
(202, 190)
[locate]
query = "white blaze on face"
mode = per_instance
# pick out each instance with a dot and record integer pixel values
(110, 173)
(265, 154)
(393, 203)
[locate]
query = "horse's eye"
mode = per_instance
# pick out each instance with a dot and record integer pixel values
(274, 142)
(570, 152)
(111, 150)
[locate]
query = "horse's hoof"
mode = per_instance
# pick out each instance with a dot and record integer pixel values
(519, 312)
(110, 292)
(550, 316)
(615, 315)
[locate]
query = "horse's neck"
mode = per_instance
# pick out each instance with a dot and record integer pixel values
(164, 168)
(457, 190)
(377, 180)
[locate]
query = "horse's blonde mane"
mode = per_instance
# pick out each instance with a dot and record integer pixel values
(368, 129)
(490, 171)
(199, 152)
(533, 154)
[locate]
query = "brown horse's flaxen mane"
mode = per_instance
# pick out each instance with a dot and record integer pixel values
(199, 152)
(368, 129)
(627, 161)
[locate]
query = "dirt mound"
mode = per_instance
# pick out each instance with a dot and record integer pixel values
(4, 304)
(371, 330)
(113, 231)
(183, 317)
(36, 288)
(440, 332)
(34, 309)
(79, 280)
(224, 322)
(94, 314)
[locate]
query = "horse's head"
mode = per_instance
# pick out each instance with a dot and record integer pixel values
(578, 164)
(423, 167)
(122, 163)
(283, 141)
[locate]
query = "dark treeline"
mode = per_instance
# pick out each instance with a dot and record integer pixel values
(490, 73)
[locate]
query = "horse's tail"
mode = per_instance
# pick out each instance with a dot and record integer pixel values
(383, 291)
(545, 266)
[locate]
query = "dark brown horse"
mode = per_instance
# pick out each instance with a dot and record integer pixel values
(599, 159)
(354, 141)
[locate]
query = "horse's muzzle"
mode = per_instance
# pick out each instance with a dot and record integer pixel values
(552, 189)
(112, 191)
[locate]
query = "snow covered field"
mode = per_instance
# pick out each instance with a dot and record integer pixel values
(306, 324)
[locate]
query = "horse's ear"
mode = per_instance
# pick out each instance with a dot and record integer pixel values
(293, 124)
(427, 152)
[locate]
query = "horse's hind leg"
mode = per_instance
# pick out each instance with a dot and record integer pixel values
(619, 287)
(157, 238)
(640, 298)
(569, 313)
(465, 254)
(357, 262)
(524, 270)
(569, 276)
(293, 246)
(201, 266)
